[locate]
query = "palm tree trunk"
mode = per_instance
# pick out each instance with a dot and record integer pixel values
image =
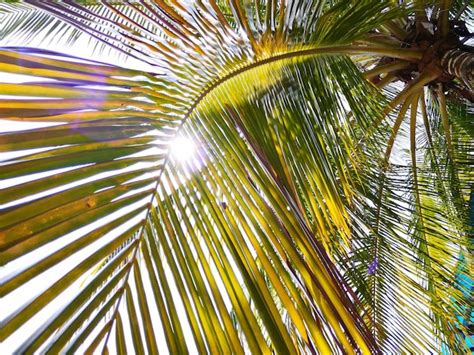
(460, 64)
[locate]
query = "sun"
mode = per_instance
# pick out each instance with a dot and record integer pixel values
(183, 149)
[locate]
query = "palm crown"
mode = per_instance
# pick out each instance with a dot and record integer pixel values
(293, 229)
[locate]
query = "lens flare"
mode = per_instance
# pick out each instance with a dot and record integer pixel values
(183, 149)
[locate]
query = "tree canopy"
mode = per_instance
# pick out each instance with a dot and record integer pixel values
(326, 206)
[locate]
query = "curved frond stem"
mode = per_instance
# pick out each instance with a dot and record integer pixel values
(443, 18)
(381, 40)
(443, 110)
(413, 87)
(413, 115)
(407, 54)
(395, 29)
(434, 158)
(139, 239)
(388, 150)
(386, 68)
(424, 115)
(385, 164)
(389, 78)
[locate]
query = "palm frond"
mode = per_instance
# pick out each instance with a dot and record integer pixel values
(269, 240)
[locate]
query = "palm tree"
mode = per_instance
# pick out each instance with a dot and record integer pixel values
(324, 211)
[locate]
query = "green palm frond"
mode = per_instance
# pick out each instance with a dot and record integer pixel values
(421, 233)
(291, 231)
